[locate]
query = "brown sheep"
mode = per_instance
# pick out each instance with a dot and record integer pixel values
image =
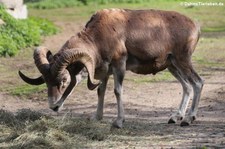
(116, 40)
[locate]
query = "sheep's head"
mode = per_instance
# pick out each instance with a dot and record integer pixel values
(57, 87)
(55, 74)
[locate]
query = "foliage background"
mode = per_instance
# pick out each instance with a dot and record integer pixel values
(19, 34)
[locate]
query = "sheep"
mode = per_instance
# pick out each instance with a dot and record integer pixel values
(116, 40)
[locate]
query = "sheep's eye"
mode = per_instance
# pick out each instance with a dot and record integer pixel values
(63, 83)
(64, 80)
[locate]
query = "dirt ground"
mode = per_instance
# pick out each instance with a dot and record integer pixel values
(148, 105)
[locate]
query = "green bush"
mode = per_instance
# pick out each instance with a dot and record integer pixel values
(18, 34)
(46, 27)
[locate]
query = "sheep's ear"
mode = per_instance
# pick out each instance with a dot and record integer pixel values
(91, 86)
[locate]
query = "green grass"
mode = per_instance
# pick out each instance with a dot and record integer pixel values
(209, 17)
(50, 4)
(210, 52)
(161, 76)
(214, 29)
(25, 89)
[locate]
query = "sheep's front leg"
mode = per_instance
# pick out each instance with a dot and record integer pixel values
(101, 95)
(118, 73)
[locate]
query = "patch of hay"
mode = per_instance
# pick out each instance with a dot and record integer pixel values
(60, 138)
(31, 140)
(40, 131)
(39, 126)
(7, 134)
(92, 130)
(28, 115)
(20, 118)
(8, 118)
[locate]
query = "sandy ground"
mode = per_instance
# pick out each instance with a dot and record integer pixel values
(145, 103)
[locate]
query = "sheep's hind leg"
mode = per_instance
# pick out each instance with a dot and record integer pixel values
(101, 94)
(118, 73)
(179, 115)
(197, 84)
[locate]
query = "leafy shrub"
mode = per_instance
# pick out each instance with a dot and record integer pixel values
(18, 34)
(46, 27)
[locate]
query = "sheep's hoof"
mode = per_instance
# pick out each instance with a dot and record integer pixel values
(184, 123)
(172, 120)
(187, 121)
(118, 123)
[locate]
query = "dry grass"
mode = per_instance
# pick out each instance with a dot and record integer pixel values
(32, 129)
(39, 131)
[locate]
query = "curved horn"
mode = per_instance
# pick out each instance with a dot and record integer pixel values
(41, 55)
(37, 81)
(74, 55)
